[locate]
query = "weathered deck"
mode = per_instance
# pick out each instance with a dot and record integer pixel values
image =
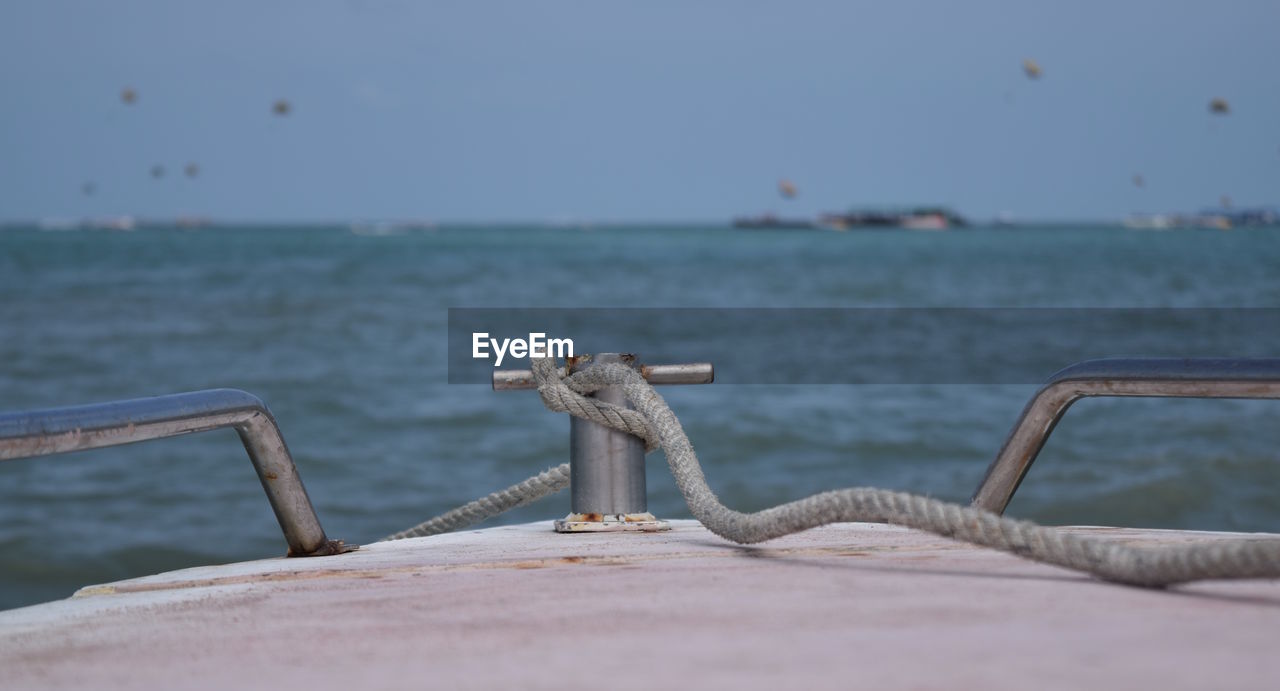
(847, 606)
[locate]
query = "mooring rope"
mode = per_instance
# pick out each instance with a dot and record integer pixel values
(1150, 566)
(502, 501)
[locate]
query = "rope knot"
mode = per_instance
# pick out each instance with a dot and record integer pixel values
(569, 394)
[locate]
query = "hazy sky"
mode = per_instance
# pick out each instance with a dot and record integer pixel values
(638, 111)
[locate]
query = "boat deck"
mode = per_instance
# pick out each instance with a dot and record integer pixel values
(845, 606)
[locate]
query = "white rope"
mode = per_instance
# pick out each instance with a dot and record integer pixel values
(531, 490)
(1151, 566)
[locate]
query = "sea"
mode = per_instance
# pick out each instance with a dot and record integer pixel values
(344, 335)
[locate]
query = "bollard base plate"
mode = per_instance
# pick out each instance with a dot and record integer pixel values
(610, 522)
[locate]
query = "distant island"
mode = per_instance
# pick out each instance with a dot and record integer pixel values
(911, 218)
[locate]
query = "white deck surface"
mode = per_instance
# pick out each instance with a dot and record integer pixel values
(847, 606)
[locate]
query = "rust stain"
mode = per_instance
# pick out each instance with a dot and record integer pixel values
(328, 549)
(632, 560)
(271, 476)
(528, 565)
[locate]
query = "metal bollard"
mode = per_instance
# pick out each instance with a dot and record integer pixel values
(606, 467)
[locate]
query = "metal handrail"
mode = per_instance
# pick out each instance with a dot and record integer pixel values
(1148, 377)
(59, 430)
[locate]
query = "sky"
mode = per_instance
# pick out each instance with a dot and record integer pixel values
(655, 111)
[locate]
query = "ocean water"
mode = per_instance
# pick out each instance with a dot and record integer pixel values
(343, 335)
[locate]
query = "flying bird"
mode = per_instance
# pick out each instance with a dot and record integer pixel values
(1031, 68)
(1219, 106)
(787, 189)
(281, 107)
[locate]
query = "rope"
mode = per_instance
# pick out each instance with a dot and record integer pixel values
(1150, 566)
(653, 421)
(562, 399)
(531, 490)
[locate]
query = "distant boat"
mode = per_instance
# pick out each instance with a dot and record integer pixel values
(115, 223)
(1220, 219)
(1150, 222)
(380, 228)
(918, 218)
(926, 222)
(771, 222)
